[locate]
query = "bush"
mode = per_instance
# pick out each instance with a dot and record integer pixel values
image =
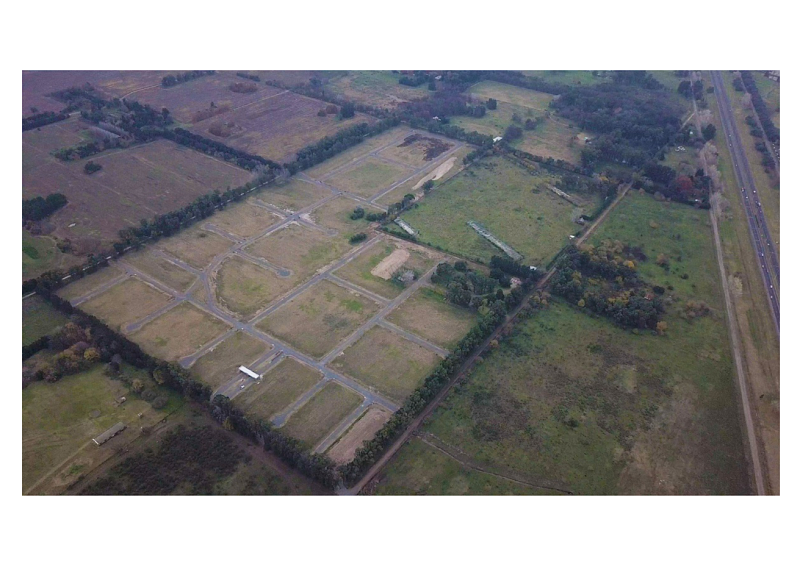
(159, 402)
(356, 238)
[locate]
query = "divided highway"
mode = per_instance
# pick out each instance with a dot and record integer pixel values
(759, 231)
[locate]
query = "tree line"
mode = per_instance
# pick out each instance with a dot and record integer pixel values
(196, 142)
(772, 132)
(40, 207)
(172, 80)
(42, 119)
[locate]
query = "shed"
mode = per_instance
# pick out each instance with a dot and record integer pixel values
(249, 372)
(109, 433)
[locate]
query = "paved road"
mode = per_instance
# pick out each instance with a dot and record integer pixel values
(748, 191)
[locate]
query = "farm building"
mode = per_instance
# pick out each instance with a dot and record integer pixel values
(109, 433)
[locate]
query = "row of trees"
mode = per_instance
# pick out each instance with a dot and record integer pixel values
(247, 161)
(40, 207)
(172, 80)
(772, 132)
(42, 119)
(249, 77)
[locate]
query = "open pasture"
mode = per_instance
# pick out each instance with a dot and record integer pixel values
(360, 269)
(375, 88)
(299, 248)
(277, 389)
(335, 214)
(427, 314)
(573, 78)
(221, 364)
(293, 195)
(244, 219)
(319, 318)
(179, 332)
(369, 177)
(41, 254)
(126, 302)
(275, 127)
(164, 271)
(244, 288)
(39, 318)
(195, 246)
(324, 411)
(135, 183)
(387, 362)
(524, 212)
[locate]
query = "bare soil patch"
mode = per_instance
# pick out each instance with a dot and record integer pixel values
(389, 265)
(362, 430)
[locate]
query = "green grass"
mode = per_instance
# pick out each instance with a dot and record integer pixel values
(429, 315)
(277, 389)
(368, 178)
(524, 213)
(421, 469)
(39, 318)
(573, 399)
(40, 254)
(319, 415)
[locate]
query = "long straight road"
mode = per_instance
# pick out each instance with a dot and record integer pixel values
(759, 231)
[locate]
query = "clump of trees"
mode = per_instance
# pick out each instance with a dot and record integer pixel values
(40, 207)
(243, 88)
(42, 119)
(358, 237)
(602, 280)
(172, 80)
(91, 167)
(249, 77)
(414, 80)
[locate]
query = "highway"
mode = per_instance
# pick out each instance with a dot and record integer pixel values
(748, 192)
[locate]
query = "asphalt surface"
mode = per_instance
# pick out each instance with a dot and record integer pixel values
(748, 192)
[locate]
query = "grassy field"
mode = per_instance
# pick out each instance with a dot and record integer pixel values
(362, 430)
(524, 213)
(293, 195)
(59, 419)
(444, 171)
(219, 365)
(89, 283)
(375, 88)
(126, 302)
(275, 127)
(277, 389)
(358, 270)
(572, 399)
(347, 157)
(134, 183)
(179, 332)
(387, 362)
(196, 247)
(39, 318)
(319, 318)
(575, 78)
(368, 177)
(162, 270)
(419, 468)
(319, 415)
(336, 213)
(244, 219)
(429, 315)
(244, 287)
(40, 254)
(300, 249)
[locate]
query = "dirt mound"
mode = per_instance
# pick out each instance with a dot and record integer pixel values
(437, 173)
(389, 265)
(433, 147)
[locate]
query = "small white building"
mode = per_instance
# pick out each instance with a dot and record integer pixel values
(249, 372)
(497, 139)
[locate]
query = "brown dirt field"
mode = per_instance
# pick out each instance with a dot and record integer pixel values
(301, 249)
(218, 366)
(427, 314)
(52, 137)
(185, 100)
(179, 332)
(389, 265)
(244, 288)
(244, 219)
(388, 362)
(157, 267)
(196, 247)
(88, 283)
(349, 156)
(126, 302)
(135, 183)
(292, 196)
(278, 388)
(359, 270)
(368, 177)
(362, 430)
(417, 149)
(319, 415)
(276, 127)
(319, 318)
(336, 213)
